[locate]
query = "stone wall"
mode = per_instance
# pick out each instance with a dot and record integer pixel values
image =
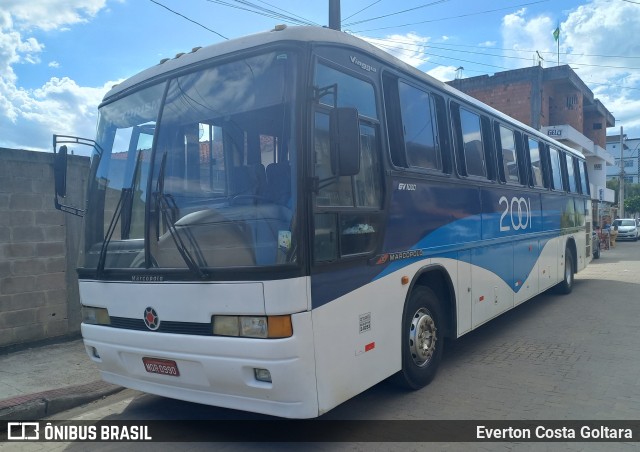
(38, 248)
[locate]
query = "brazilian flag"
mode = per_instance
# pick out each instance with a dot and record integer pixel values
(556, 33)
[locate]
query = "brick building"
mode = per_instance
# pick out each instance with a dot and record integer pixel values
(557, 102)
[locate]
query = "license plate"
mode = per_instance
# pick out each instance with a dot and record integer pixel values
(161, 366)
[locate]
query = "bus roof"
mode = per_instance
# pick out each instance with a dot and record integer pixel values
(306, 34)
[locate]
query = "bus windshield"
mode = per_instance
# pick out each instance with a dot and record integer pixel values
(197, 172)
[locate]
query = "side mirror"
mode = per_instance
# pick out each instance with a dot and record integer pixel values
(344, 127)
(60, 171)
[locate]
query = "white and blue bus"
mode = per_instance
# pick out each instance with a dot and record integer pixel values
(277, 223)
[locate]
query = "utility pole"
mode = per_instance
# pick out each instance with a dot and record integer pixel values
(621, 188)
(334, 14)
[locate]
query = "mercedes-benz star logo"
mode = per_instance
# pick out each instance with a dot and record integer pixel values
(151, 319)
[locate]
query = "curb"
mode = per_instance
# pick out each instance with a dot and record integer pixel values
(42, 404)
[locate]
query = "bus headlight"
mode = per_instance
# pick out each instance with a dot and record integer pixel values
(253, 327)
(264, 327)
(95, 316)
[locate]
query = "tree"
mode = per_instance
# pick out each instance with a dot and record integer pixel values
(632, 205)
(630, 190)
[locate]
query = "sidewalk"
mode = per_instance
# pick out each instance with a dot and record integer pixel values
(41, 381)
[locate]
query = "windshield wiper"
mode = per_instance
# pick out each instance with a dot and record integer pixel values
(162, 202)
(124, 197)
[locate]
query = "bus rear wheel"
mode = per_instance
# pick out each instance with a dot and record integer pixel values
(422, 339)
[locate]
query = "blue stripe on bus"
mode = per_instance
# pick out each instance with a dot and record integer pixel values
(511, 268)
(511, 261)
(447, 221)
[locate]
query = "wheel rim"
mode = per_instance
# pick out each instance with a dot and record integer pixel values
(568, 272)
(422, 337)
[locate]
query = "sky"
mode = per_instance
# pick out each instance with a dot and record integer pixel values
(58, 58)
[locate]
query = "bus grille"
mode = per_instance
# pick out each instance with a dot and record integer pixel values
(192, 328)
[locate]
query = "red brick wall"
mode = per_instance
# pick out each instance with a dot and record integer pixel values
(513, 99)
(566, 107)
(598, 136)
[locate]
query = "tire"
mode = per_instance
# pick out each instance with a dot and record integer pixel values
(566, 285)
(422, 339)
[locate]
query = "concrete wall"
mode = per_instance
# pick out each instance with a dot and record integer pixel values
(38, 248)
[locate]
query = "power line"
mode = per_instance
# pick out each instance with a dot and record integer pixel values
(513, 50)
(185, 17)
(397, 12)
(292, 14)
(247, 6)
(442, 56)
(359, 11)
(427, 60)
(418, 46)
(453, 17)
(288, 16)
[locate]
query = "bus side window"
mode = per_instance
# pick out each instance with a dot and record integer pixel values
(584, 178)
(489, 145)
(556, 169)
(571, 174)
(394, 120)
(507, 156)
(347, 209)
(419, 128)
(536, 164)
(473, 148)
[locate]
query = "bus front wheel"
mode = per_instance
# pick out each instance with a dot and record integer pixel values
(566, 285)
(422, 338)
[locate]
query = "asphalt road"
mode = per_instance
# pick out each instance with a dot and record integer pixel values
(555, 357)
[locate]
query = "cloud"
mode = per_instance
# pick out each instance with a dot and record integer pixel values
(597, 41)
(60, 106)
(410, 49)
(602, 34)
(28, 117)
(443, 73)
(488, 44)
(527, 36)
(407, 47)
(51, 14)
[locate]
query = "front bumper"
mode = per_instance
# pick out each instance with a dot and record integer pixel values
(216, 371)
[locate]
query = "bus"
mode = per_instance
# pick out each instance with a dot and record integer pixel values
(276, 223)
